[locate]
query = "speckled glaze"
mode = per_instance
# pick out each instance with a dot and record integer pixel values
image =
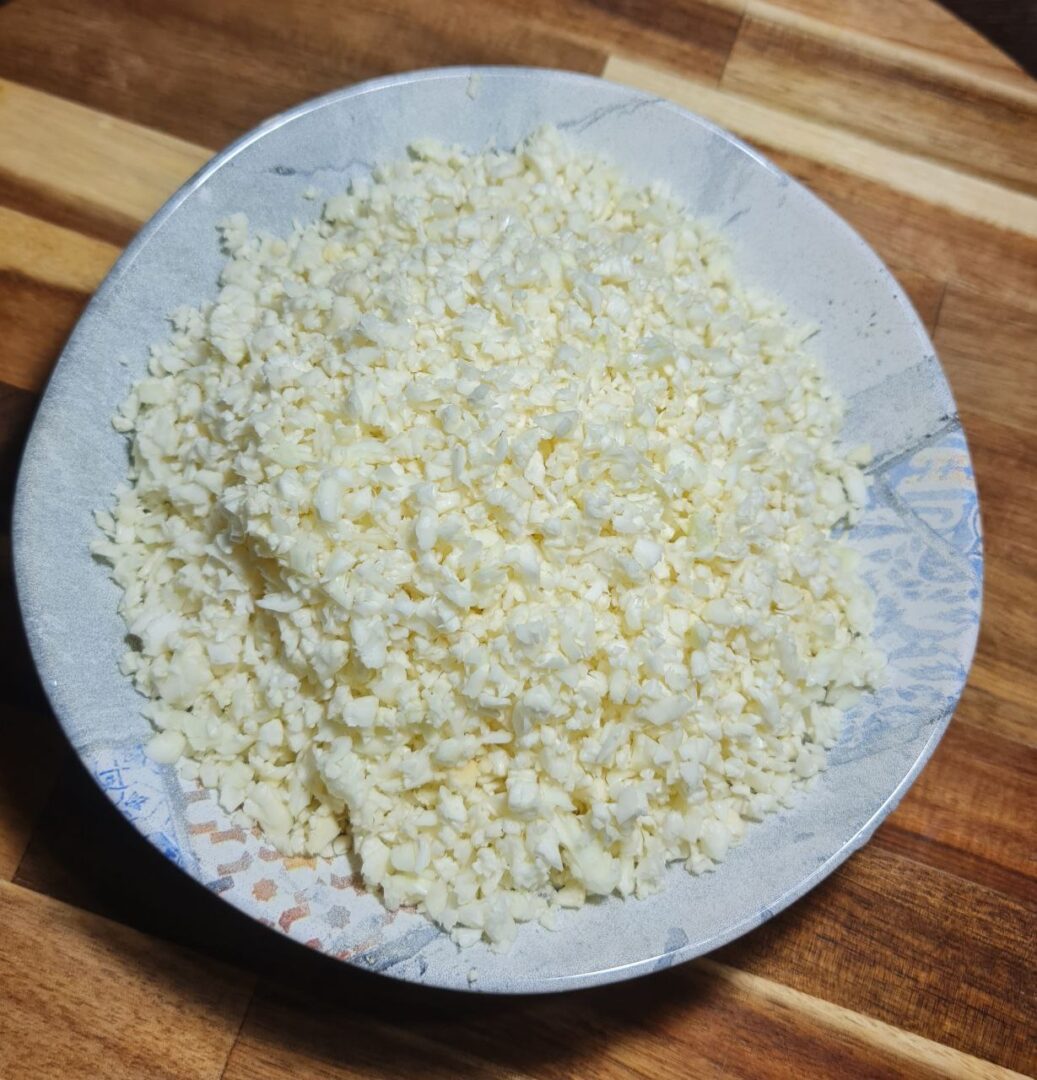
(920, 534)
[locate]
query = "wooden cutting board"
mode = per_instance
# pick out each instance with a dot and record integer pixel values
(917, 957)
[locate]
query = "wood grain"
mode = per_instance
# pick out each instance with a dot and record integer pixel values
(97, 999)
(971, 811)
(47, 274)
(918, 25)
(707, 1019)
(107, 174)
(693, 36)
(1004, 459)
(1005, 666)
(916, 947)
(917, 957)
(291, 1035)
(986, 347)
(901, 97)
(238, 62)
(905, 1053)
(991, 712)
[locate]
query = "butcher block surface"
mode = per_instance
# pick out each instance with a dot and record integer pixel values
(917, 957)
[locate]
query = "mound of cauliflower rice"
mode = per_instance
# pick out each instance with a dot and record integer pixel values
(482, 530)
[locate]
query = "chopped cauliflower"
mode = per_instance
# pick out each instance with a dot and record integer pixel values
(482, 528)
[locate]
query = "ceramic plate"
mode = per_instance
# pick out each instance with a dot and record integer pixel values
(920, 535)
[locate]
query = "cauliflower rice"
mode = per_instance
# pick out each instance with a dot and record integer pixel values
(483, 529)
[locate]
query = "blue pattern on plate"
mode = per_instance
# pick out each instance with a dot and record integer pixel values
(137, 788)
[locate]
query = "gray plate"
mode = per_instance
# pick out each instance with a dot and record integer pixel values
(920, 536)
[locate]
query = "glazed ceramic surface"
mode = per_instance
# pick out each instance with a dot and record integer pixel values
(920, 534)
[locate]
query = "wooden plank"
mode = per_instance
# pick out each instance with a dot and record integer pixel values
(1004, 656)
(31, 753)
(912, 54)
(909, 1054)
(208, 72)
(987, 349)
(918, 24)
(318, 1039)
(981, 200)
(1005, 462)
(986, 711)
(912, 946)
(38, 317)
(703, 1019)
(86, 997)
(52, 255)
(899, 97)
(693, 36)
(970, 812)
(47, 274)
(91, 167)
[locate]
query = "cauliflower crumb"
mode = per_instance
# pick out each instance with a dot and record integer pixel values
(485, 525)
